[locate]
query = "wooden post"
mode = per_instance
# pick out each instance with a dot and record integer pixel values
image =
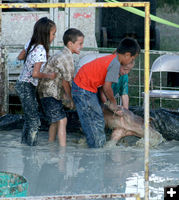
(3, 83)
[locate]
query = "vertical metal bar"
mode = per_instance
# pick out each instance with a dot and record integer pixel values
(0, 21)
(51, 14)
(51, 11)
(54, 16)
(6, 80)
(4, 94)
(146, 100)
(0, 30)
(55, 19)
(160, 88)
(1, 70)
(67, 16)
(139, 81)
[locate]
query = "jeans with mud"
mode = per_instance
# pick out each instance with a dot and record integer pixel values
(90, 115)
(27, 95)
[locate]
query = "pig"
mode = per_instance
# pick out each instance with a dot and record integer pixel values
(128, 124)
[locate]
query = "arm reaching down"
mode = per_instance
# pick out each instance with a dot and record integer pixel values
(110, 96)
(67, 88)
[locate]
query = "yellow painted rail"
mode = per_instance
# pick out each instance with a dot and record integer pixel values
(71, 5)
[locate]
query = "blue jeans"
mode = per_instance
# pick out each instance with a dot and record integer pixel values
(27, 94)
(90, 115)
(53, 109)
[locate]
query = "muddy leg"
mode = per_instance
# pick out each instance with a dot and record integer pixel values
(62, 132)
(24, 132)
(33, 133)
(27, 94)
(52, 132)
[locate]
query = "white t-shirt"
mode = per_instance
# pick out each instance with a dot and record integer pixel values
(37, 55)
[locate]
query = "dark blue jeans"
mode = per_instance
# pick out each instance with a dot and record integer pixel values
(53, 109)
(27, 94)
(90, 115)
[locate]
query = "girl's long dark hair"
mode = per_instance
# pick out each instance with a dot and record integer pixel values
(41, 35)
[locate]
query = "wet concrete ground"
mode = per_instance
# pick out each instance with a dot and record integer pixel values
(51, 170)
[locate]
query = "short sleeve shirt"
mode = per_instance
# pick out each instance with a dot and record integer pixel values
(94, 74)
(113, 71)
(62, 63)
(37, 54)
(121, 87)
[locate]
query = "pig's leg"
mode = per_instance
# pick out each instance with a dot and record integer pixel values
(117, 134)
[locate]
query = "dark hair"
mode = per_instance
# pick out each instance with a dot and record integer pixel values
(41, 35)
(71, 35)
(128, 45)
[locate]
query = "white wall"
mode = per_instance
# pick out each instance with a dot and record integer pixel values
(17, 26)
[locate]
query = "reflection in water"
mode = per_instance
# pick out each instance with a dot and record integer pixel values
(52, 170)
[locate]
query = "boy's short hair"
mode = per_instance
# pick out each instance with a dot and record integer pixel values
(71, 35)
(130, 45)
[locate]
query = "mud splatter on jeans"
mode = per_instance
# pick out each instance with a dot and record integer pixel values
(27, 94)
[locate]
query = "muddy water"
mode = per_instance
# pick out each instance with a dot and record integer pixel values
(51, 170)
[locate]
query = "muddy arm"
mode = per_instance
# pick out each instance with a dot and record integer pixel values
(110, 96)
(125, 101)
(68, 101)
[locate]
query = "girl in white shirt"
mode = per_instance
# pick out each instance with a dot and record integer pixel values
(34, 54)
